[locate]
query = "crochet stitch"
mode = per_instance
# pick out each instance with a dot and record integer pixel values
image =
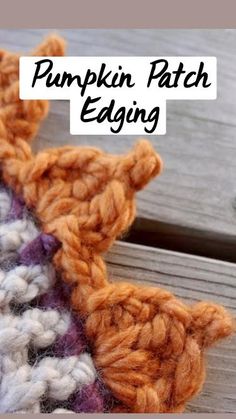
(44, 353)
(147, 345)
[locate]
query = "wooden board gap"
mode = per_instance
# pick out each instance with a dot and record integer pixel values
(182, 239)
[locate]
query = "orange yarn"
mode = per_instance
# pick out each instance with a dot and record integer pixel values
(147, 344)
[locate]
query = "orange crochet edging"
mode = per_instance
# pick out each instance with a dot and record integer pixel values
(147, 344)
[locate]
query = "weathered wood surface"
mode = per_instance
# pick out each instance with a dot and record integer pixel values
(192, 279)
(191, 204)
(197, 189)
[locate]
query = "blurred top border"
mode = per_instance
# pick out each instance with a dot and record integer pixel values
(118, 14)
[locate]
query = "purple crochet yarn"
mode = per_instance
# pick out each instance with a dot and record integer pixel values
(88, 400)
(57, 297)
(73, 342)
(91, 398)
(17, 209)
(39, 250)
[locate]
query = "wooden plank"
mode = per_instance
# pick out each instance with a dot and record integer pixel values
(192, 279)
(192, 201)
(197, 189)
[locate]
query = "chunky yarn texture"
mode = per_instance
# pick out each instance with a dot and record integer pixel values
(44, 356)
(147, 346)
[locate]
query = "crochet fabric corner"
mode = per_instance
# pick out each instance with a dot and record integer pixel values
(45, 362)
(69, 338)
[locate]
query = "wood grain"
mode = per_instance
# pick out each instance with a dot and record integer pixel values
(192, 279)
(197, 189)
(191, 206)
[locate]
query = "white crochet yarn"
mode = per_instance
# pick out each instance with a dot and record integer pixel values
(35, 326)
(23, 386)
(52, 377)
(5, 204)
(23, 283)
(17, 233)
(62, 377)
